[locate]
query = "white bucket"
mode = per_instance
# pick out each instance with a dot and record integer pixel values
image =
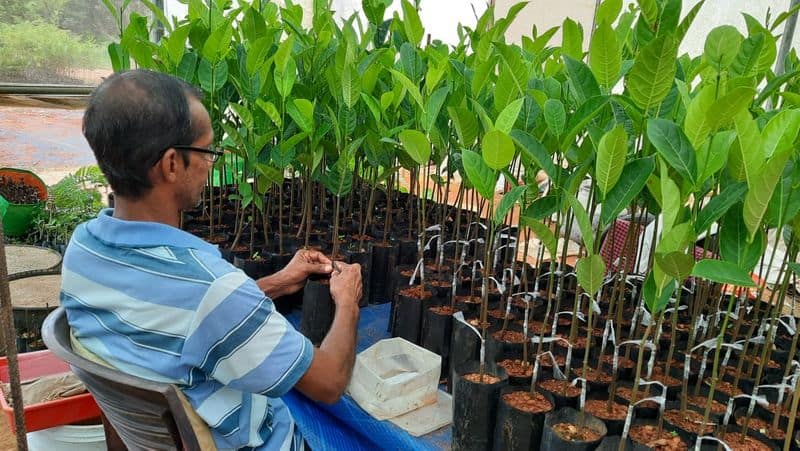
(68, 438)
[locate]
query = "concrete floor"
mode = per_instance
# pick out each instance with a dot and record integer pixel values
(46, 141)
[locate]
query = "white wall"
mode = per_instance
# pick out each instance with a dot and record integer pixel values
(440, 17)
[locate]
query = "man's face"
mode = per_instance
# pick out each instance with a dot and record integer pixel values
(199, 163)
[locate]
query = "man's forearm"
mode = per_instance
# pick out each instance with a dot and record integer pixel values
(341, 339)
(272, 285)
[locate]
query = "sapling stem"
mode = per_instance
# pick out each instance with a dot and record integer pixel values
(715, 368)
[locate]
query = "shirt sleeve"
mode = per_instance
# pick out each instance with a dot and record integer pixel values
(239, 339)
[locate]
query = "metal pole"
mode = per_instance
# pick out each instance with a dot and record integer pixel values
(7, 316)
(786, 39)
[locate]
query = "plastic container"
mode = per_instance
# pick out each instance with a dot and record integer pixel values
(393, 377)
(18, 217)
(52, 413)
(68, 438)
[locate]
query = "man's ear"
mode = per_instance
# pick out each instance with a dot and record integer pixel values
(167, 166)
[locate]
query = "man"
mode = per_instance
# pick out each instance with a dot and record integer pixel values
(159, 303)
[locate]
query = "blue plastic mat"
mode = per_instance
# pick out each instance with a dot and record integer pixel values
(346, 426)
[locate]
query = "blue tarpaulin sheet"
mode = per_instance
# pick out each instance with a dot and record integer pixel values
(345, 426)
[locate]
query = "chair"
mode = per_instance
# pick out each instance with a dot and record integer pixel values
(137, 414)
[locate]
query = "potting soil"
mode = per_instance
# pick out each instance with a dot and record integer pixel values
(18, 192)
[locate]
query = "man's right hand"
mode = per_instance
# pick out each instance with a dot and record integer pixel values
(346, 288)
(330, 370)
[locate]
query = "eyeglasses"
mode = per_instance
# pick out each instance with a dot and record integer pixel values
(215, 152)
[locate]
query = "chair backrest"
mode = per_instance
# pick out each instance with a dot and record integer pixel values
(145, 414)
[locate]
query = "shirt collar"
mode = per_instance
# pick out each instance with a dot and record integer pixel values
(122, 233)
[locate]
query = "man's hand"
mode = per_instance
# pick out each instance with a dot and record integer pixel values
(293, 277)
(332, 366)
(346, 286)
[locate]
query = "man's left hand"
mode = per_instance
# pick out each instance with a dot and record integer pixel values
(293, 277)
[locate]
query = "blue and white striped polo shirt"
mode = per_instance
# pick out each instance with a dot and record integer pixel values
(159, 303)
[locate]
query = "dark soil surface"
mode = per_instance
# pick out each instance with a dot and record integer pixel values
(522, 400)
(625, 393)
(573, 433)
(763, 427)
(739, 442)
(622, 362)
(658, 439)
(500, 314)
(509, 336)
(594, 375)
(599, 408)
(563, 388)
(444, 310)
(416, 292)
(18, 192)
(690, 421)
(475, 378)
(700, 401)
(516, 367)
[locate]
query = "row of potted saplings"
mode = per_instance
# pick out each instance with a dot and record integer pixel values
(250, 241)
(613, 388)
(526, 333)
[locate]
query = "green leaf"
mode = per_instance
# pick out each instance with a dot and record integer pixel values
(653, 72)
(507, 203)
(719, 205)
(697, 123)
(656, 302)
(120, 58)
(676, 239)
(581, 79)
(271, 111)
(761, 189)
(746, 62)
(722, 272)
(351, 87)
(435, 102)
(611, 154)
(608, 11)
(555, 116)
(722, 45)
(409, 86)
(416, 145)
(533, 150)
(480, 175)
(571, 39)
(302, 111)
(284, 80)
(584, 223)
(497, 149)
(590, 271)
(783, 16)
(636, 174)
(605, 56)
(508, 117)
(713, 156)
(412, 25)
(542, 207)
(649, 10)
(674, 147)
(687, 21)
(581, 117)
(544, 234)
(733, 245)
(780, 132)
(677, 265)
(747, 154)
(724, 109)
(218, 43)
(465, 123)
(243, 113)
(670, 199)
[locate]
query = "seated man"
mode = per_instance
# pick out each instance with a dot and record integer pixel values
(160, 303)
